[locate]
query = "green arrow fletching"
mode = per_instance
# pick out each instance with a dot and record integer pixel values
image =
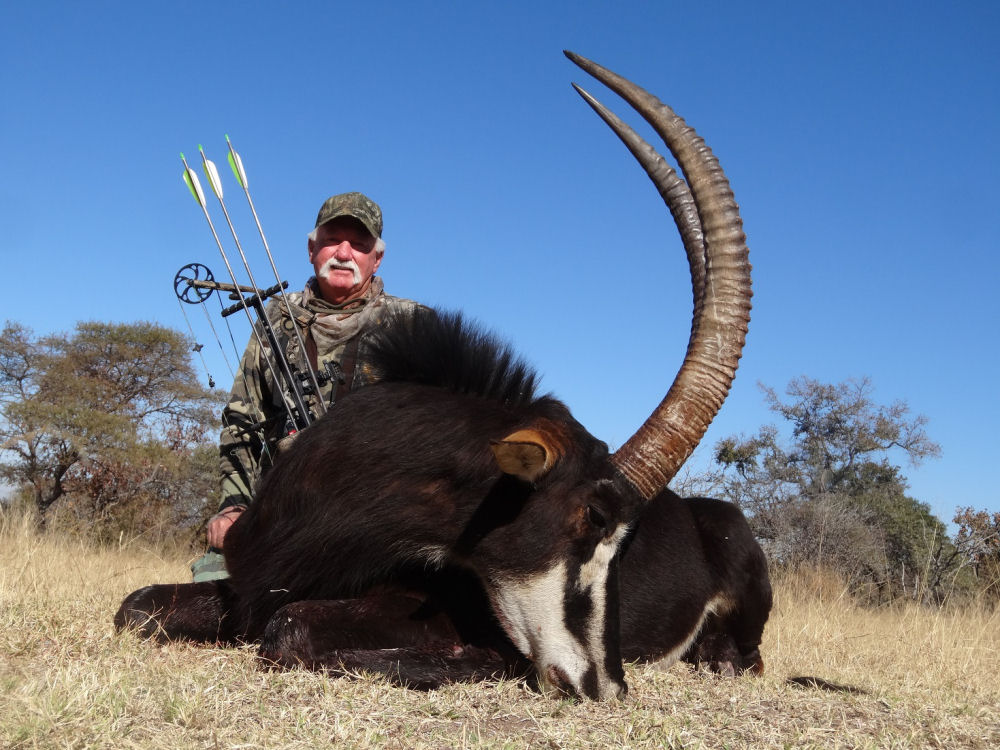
(191, 179)
(236, 164)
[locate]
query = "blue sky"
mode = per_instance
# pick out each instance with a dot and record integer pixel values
(860, 139)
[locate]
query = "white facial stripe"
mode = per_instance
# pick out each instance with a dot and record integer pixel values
(594, 576)
(595, 570)
(533, 614)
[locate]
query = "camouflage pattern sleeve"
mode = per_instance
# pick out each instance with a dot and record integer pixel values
(241, 444)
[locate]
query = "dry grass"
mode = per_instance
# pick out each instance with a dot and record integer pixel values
(66, 680)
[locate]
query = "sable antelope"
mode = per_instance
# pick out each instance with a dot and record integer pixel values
(446, 523)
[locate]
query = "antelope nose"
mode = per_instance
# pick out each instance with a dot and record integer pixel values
(618, 690)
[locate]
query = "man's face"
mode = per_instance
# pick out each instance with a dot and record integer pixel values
(344, 259)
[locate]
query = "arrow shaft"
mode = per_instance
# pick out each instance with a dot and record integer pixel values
(236, 163)
(293, 409)
(279, 354)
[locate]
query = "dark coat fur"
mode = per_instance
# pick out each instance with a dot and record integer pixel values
(371, 535)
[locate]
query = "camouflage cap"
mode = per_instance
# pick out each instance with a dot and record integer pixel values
(356, 205)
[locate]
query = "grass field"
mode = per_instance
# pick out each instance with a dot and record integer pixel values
(931, 679)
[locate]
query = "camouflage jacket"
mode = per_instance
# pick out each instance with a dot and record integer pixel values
(255, 418)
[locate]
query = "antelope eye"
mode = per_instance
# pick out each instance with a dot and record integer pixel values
(596, 518)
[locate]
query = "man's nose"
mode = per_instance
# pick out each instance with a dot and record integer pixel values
(342, 251)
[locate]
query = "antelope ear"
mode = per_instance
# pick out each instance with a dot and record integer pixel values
(526, 454)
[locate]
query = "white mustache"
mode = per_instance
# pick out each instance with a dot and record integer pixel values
(333, 264)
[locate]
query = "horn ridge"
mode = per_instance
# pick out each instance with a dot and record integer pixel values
(651, 457)
(672, 188)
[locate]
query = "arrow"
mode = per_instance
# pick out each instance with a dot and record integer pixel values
(212, 173)
(191, 180)
(304, 418)
(194, 185)
(236, 164)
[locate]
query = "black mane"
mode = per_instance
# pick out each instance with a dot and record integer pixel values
(444, 350)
